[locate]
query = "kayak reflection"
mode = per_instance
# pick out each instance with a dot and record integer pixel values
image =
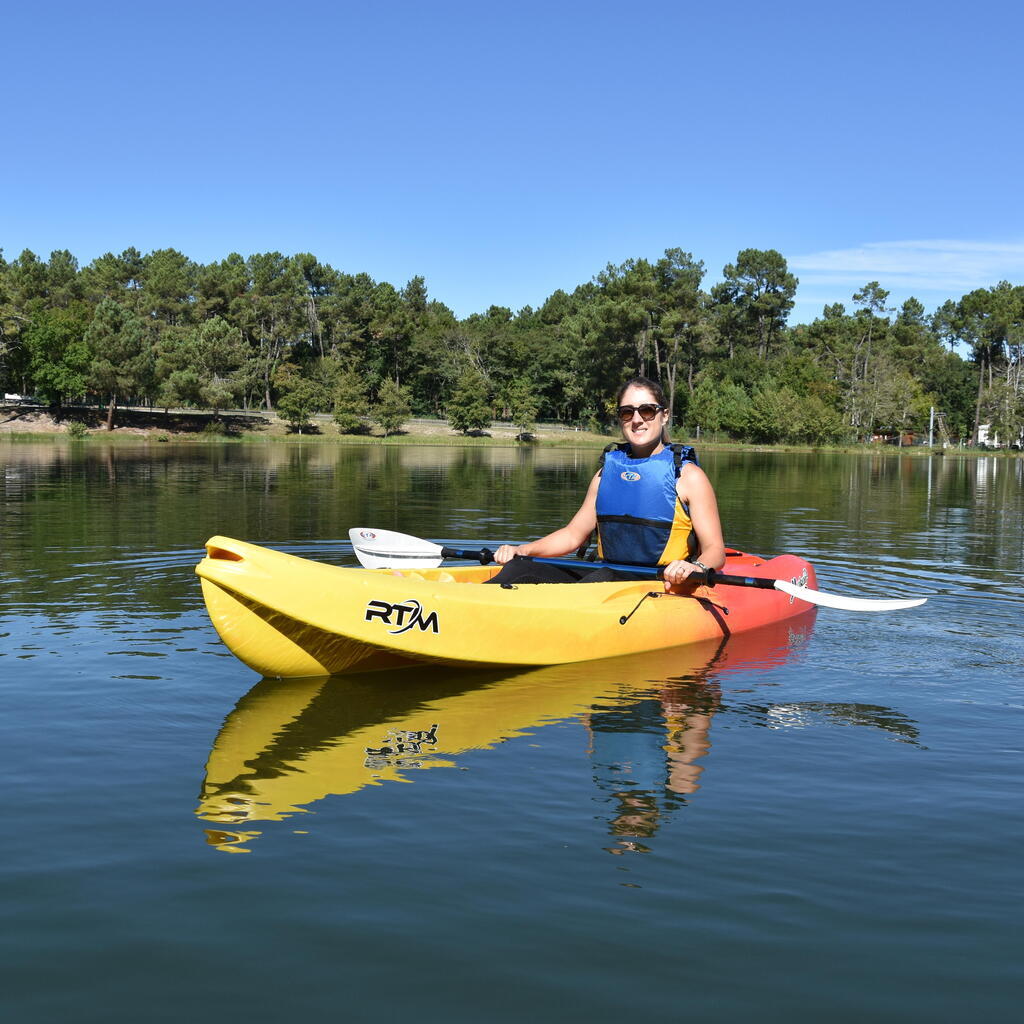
(289, 743)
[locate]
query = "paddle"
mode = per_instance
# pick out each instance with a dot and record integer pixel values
(384, 549)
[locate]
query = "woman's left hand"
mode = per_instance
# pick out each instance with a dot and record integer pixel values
(677, 572)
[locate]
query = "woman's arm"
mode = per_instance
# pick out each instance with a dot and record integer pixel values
(695, 491)
(567, 540)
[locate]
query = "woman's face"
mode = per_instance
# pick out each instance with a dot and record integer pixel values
(636, 430)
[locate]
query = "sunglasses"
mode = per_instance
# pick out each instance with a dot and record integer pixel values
(647, 412)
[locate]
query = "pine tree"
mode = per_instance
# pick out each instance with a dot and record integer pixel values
(303, 398)
(468, 408)
(350, 402)
(523, 406)
(122, 360)
(393, 407)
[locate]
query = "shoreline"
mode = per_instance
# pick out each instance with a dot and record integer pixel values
(21, 425)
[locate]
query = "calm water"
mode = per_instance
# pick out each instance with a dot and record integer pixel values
(823, 822)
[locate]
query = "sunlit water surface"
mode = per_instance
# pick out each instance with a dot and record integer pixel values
(819, 822)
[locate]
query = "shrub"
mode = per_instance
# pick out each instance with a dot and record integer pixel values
(350, 403)
(393, 407)
(469, 408)
(522, 408)
(298, 404)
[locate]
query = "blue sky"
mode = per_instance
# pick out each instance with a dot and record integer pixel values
(507, 150)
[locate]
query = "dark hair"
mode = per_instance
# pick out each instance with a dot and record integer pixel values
(642, 382)
(656, 391)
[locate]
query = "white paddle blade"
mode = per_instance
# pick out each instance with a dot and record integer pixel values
(849, 604)
(383, 549)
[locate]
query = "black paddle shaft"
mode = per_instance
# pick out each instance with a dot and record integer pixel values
(485, 556)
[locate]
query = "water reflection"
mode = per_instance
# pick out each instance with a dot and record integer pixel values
(98, 511)
(803, 714)
(291, 743)
(646, 754)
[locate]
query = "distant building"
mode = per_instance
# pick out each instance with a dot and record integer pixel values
(988, 438)
(905, 440)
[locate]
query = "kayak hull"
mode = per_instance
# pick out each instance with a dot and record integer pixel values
(286, 616)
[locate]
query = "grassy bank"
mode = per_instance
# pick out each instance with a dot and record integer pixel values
(147, 426)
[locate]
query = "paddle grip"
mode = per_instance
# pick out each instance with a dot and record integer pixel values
(484, 555)
(757, 582)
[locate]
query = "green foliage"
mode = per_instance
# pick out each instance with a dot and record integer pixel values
(112, 277)
(991, 322)
(219, 354)
(393, 407)
(168, 283)
(158, 326)
(744, 369)
(900, 402)
(77, 430)
(772, 414)
(950, 385)
(350, 402)
(58, 356)
(300, 399)
(522, 407)
(821, 424)
(760, 289)
(122, 359)
(468, 407)
(176, 374)
(779, 414)
(872, 298)
(719, 405)
(200, 366)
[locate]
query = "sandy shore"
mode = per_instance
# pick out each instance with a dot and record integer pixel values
(182, 425)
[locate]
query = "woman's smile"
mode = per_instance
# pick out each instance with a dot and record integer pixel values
(641, 433)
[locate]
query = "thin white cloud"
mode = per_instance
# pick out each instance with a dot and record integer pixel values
(931, 265)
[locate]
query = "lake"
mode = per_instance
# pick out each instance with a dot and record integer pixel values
(818, 822)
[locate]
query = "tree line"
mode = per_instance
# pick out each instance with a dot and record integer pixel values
(295, 334)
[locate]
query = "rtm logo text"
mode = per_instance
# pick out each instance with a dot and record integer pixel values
(402, 616)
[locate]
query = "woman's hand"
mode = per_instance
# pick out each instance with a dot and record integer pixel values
(509, 551)
(677, 572)
(562, 542)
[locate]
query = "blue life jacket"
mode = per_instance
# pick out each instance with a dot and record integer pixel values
(640, 519)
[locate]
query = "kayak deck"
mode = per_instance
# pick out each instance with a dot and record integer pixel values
(288, 616)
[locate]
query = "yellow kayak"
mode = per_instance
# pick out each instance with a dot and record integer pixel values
(286, 616)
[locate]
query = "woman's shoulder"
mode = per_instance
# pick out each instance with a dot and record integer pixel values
(692, 477)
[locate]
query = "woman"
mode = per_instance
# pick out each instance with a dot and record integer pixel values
(650, 505)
